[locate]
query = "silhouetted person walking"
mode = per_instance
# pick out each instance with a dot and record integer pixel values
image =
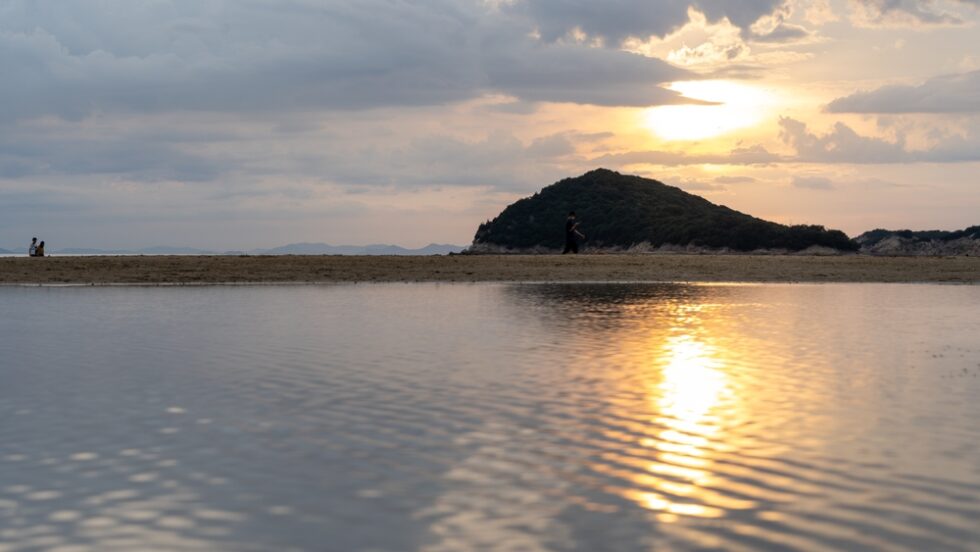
(571, 234)
(32, 250)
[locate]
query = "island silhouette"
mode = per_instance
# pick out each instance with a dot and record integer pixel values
(620, 211)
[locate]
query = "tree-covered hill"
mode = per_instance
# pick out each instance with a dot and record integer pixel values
(873, 237)
(618, 210)
(921, 242)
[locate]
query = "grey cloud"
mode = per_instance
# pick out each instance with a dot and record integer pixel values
(944, 94)
(557, 145)
(844, 145)
(615, 21)
(70, 60)
(593, 136)
(258, 58)
(238, 160)
(898, 13)
(32, 153)
(513, 108)
(498, 161)
(555, 73)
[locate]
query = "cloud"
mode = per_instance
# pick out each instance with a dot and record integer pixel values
(755, 155)
(708, 53)
(70, 60)
(696, 185)
(614, 22)
(140, 156)
(905, 13)
(735, 179)
(579, 74)
(944, 94)
(844, 145)
(841, 145)
(819, 12)
(812, 183)
(783, 32)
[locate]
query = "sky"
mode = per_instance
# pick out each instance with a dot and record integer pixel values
(237, 124)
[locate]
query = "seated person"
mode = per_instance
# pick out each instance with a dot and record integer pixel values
(32, 250)
(39, 252)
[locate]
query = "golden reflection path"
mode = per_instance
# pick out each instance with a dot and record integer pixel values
(687, 395)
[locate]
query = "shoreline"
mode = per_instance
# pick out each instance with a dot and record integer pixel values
(196, 285)
(174, 270)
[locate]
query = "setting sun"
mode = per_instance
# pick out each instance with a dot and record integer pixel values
(736, 106)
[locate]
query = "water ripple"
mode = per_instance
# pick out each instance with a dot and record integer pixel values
(508, 417)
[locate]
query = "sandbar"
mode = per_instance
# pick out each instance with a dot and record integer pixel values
(227, 269)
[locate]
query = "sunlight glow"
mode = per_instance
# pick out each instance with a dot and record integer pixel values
(692, 384)
(738, 106)
(672, 420)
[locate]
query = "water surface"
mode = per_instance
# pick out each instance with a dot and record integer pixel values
(522, 417)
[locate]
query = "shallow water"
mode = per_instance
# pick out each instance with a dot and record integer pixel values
(521, 417)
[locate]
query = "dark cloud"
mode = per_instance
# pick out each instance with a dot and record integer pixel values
(945, 94)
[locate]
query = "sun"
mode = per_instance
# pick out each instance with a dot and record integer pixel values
(736, 106)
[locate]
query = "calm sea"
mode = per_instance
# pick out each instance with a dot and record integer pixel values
(472, 416)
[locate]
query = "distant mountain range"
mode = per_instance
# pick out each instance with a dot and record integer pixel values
(291, 249)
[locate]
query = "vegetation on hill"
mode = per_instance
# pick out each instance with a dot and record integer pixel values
(872, 237)
(618, 210)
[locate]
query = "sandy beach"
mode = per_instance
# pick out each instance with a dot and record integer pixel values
(488, 268)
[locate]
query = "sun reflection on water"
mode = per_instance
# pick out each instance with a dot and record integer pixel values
(687, 396)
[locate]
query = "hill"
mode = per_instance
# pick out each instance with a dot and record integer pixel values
(622, 211)
(924, 242)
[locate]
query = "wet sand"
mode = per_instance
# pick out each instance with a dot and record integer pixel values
(485, 268)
